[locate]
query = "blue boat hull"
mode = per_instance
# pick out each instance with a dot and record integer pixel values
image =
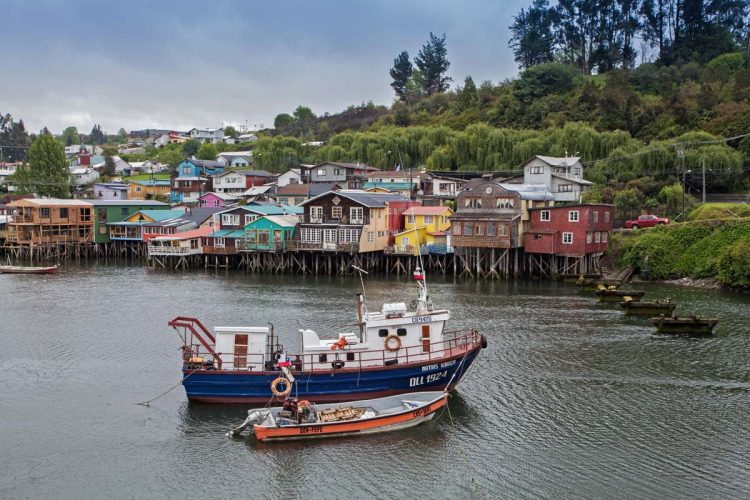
(224, 386)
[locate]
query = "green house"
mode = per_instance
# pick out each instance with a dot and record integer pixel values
(116, 211)
(270, 232)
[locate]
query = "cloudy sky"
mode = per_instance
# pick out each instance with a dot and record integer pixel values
(183, 64)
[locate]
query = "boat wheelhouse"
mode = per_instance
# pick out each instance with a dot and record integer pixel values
(395, 350)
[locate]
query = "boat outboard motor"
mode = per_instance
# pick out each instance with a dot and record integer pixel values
(253, 417)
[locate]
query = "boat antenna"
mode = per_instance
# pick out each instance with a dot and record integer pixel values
(361, 279)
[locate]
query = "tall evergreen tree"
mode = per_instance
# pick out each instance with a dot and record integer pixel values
(49, 169)
(533, 41)
(433, 63)
(14, 139)
(401, 72)
(97, 136)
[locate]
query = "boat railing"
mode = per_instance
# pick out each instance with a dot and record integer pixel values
(202, 355)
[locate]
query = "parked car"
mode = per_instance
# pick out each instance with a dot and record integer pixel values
(646, 221)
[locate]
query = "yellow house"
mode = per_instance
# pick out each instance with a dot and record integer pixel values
(423, 227)
(148, 189)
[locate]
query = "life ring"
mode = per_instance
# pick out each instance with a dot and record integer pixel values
(275, 387)
(392, 343)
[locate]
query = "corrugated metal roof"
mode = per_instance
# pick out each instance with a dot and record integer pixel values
(281, 220)
(370, 200)
(43, 202)
(535, 192)
(128, 203)
(426, 210)
(557, 162)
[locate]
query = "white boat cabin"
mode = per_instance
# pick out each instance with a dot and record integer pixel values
(388, 337)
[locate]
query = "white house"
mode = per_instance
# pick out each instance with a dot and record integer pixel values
(445, 186)
(81, 176)
(235, 158)
(247, 138)
(214, 135)
(291, 176)
(6, 170)
(562, 176)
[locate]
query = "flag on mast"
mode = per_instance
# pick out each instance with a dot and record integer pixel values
(397, 167)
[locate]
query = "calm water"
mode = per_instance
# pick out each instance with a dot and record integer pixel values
(571, 399)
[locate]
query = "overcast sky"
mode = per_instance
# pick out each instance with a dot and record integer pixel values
(178, 65)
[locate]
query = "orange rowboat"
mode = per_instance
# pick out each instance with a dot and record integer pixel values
(310, 421)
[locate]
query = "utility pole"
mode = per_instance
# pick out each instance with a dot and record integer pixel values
(704, 180)
(681, 154)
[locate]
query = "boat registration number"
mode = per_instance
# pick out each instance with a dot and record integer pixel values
(427, 379)
(313, 429)
(421, 412)
(421, 319)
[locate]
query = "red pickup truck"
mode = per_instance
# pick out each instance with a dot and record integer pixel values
(646, 221)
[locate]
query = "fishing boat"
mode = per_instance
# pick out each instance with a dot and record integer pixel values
(305, 420)
(648, 308)
(394, 350)
(692, 325)
(28, 270)
(612, 294)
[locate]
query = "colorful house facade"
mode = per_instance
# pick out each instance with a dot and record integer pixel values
(148, 189)
(111, 191)
(270, 233)
(569, 230)
(194, 177)
(219, 200)
(45, 221)
(425, 228)
(108, 211)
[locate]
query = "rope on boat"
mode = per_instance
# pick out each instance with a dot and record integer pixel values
(147, 402)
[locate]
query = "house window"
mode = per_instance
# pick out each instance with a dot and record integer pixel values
(468, 228)
(567, 238)
(186, 170)
(502, 230)
(596, 216)
(504, 203)
(250, 218)
(337, 171)
(45, 213)
(606, 216)
(479, 229)
(544, 216)
(604, 237)
(577, 171)
(322, 172)
(490, 229)
(63, 213)
(138, 189)
(239, 243)
(357, 215)
(337, 212)
(219, 242)
(216, 203)
(456, 228)
(573, 216)
(370, 237)
(536, 170)
(588, 237)
(598, 237)
(230, 220)
(316, 214)
(565, 188)
(428, 219)
(473, 203)
(410, 219)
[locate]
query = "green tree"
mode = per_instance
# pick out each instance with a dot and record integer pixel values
(401, 73)
(191, 147)
(432, 63)
(533, 41)
(109, 166)
(122, 136)
(170, 157)
(207, 151)
(70, 136)
(468, 96)
(48, 170)
(97, 136)
(283, 121)
(14, 139)
(230, 131)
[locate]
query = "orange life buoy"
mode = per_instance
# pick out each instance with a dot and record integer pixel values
(340, 344)
(275, 387)
(392, 343)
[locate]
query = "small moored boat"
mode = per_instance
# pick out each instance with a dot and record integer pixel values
(611, 294)
(305, 420)
(648, 308)
(28, 270)
(691, 325)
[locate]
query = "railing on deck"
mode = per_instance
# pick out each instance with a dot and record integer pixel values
(459, 342)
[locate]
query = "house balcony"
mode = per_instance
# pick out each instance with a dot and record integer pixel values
(171, 250)
(344, 220)
(328, 246)
(226, 250)
(278, 246)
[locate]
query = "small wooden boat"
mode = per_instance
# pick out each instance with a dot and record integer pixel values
(28, 269)
(612, 294)
(305, 420)
(691, 325)
(649, 308)
(595, 284)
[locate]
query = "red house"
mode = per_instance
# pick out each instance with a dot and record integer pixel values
(569, 230)
(395, 214)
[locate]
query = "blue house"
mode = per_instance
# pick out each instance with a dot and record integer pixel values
(193, 179)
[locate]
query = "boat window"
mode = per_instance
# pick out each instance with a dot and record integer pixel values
(383, 332)
(401, 332)
(322, 358)
(350, 356)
